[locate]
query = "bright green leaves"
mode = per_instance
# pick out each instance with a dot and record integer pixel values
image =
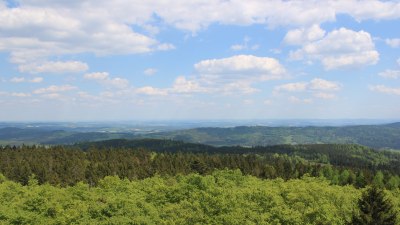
(224, 197)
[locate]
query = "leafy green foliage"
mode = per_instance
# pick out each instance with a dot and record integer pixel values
(223, 197)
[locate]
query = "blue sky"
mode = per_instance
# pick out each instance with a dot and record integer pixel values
(161, 60)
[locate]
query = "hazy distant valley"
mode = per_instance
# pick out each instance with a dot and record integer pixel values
(379, 136)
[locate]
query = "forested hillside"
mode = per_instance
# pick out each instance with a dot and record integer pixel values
(19, 136)
(172, 182)
(375, 136)
(90, 162)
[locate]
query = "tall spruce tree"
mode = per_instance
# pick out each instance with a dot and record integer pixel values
(374, 208)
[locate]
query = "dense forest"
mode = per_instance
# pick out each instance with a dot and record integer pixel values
(223, 197)
(152, 181)
(139, 159)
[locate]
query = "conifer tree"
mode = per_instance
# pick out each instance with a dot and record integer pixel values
(374, 208)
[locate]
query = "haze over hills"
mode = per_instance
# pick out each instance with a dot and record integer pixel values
(377, 136)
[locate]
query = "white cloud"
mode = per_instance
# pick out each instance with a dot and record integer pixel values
(96, 76)
(238, 47)
(54, 67)
(394, 43)
(292, 87)
(391, 74)
(295, 99)
(304, 35)
(54, 89)
(195, 15)
(36, 80)
(340, 49)
(318, 87)
(22, 79)
(324, 95)
(20, 94)
(244, 46)
(150, 71)
(235, 74)
(182, 85)
(34, 32)
(147, 90)
(364, 10)
(246, 67)
(41, 29)
(398, 61)
(118, 82)
(385, 89)
(323, 85)
(17, 79)
(316, 84)
(241, 87)
(231, 75)
(104, 79)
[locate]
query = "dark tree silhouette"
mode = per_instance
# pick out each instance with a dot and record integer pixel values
(374, 208)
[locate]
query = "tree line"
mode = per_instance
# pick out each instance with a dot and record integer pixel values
(66, 165)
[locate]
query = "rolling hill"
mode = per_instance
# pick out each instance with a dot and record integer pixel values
(375, 136)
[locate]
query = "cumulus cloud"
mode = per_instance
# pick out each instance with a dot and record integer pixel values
(148, 90)
(196, 15)
(304, 35)
(54, 89)
(385, 89)
(118, 82)
(391, 74)
(34, 32)
(319, 88)
(182, 85)
(54, 67)
(40, 29)
(236, 74)
(230, 75)
(104, 79)
(340, 49)
(246, 67)
(394, 43)
(315, 84)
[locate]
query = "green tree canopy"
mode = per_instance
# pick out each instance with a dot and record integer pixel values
(374, 208)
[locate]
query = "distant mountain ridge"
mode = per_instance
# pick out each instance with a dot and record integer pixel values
(18, 136)
(385, 136)
(375, 136)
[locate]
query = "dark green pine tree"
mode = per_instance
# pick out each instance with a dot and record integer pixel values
(374, 209)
